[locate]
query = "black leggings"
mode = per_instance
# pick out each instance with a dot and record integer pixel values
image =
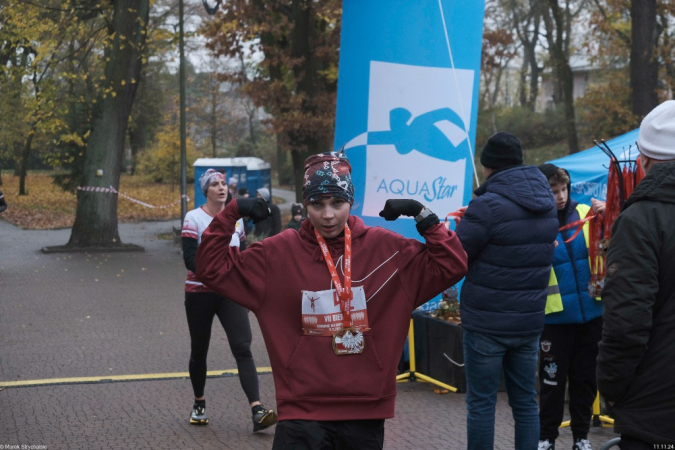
(200, 308)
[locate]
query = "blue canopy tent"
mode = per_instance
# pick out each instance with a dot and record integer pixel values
(588, 169)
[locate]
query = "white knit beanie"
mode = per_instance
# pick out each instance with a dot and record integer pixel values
(657, 132)
(264, 193)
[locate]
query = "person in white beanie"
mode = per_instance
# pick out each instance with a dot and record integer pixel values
(232, 187)
(271, 226)
(635, 361)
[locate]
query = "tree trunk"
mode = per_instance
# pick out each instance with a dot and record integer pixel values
(529, 39)
(644, 66)
(531, 49)
(299, 158)
(522, 83)
(555, 34)
(251, 132)
(25, 153)
(567, 81)
(534, 83)
(96, 215)
(284, 176)
(214, 124)
(303, 37)
(18, 148)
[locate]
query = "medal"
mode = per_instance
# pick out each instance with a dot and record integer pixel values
(347, 341)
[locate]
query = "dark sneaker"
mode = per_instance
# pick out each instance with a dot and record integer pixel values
(546, 445)
(263, 418)
(582, 444)
(198, 415)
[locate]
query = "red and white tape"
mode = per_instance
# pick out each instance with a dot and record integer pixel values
(112, 190)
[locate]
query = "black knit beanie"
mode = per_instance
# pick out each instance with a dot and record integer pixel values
(502, 150)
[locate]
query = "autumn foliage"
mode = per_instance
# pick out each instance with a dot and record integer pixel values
(296, 78)
(48, 206)
(161, 160)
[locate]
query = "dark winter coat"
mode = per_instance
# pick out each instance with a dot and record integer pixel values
(508, 233)
(271, 226)
(636, 362)
(294, 224)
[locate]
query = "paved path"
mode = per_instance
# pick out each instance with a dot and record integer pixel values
(288, 196)
(110, 315)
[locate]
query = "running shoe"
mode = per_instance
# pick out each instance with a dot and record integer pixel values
(263, 418)
(582, 444)
(198, 415)
(546, 445)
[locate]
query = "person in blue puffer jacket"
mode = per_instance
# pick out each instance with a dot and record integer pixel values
(508, 232)
(569, 343)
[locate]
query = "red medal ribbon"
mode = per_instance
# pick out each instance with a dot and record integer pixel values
(344, 294)
(579, 224)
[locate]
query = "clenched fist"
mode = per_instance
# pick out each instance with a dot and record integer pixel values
(255, 208)
(393, 209)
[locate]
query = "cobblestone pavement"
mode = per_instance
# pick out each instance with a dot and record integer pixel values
(116, 314)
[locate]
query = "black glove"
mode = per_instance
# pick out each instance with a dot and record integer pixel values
(255, 208)
(395, 208)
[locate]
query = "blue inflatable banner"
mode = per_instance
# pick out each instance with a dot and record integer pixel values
(408, 103)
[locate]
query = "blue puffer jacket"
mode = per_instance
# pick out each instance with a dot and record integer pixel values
(573, 279)
(508, 233)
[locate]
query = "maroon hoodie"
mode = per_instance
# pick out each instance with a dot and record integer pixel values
(397, 275)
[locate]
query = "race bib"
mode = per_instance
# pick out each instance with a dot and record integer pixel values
(321, 314)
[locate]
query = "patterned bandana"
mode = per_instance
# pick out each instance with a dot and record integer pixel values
(207, 178)
(327, 175)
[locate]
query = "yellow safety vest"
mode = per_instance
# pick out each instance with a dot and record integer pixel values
(554, 299)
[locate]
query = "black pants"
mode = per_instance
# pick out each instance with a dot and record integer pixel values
(200, 308)
(329, 435)
(568, 353)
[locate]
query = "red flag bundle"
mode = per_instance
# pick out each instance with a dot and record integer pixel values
(622, 178)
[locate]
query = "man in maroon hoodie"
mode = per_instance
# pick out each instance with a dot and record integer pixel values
(334, 302)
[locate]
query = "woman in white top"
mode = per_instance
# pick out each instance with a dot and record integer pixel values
(202, 304)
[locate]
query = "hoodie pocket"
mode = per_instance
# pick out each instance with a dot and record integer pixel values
(315, 371)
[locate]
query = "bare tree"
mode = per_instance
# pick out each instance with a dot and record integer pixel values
(526, 16)
(644, 64)
(558, 23)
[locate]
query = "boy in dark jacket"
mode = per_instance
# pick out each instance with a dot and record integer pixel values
(296, 217)
(508, 232)
(636, 362)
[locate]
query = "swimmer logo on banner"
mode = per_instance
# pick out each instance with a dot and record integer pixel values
(409, 119)
(407, 102)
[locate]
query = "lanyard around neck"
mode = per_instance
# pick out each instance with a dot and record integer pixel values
(344, 293)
